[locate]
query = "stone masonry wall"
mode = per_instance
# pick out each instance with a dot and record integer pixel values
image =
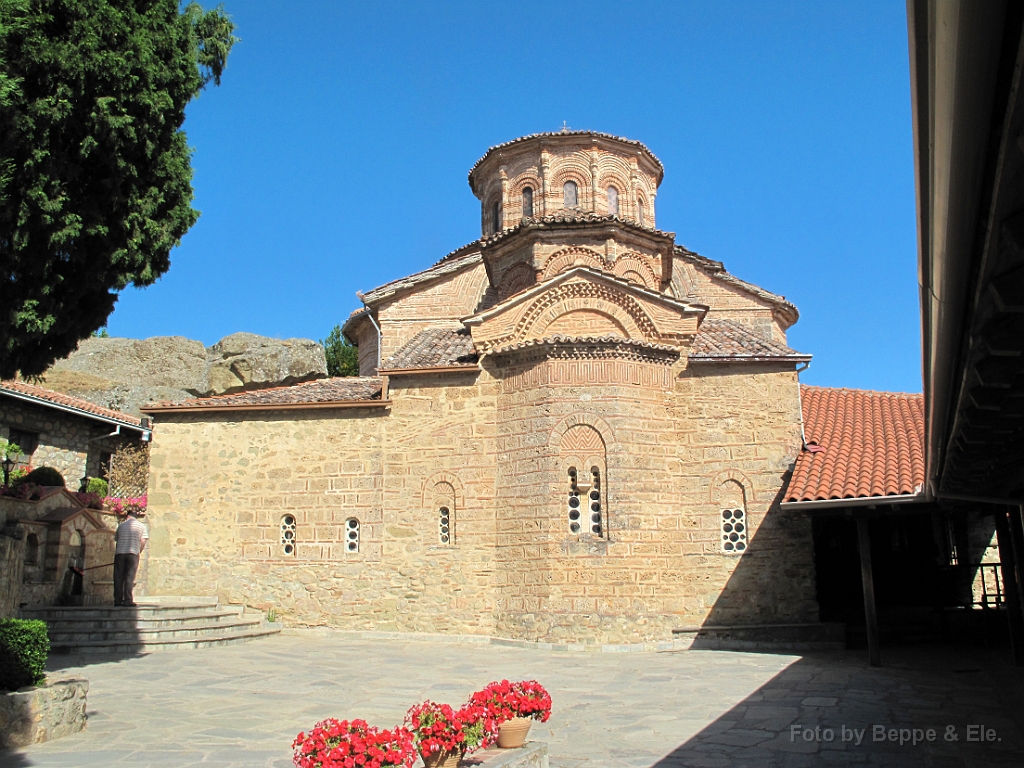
(485, 446)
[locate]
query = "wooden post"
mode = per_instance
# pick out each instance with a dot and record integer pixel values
(867, 578)
(1007, 563)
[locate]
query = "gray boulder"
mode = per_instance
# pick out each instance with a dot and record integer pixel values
(245, 361)
(124, 374)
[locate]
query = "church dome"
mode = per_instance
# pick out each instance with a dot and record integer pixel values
(566, 173)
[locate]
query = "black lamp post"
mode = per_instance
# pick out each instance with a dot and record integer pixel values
(8, 464)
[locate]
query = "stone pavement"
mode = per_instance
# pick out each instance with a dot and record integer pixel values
(243, 705)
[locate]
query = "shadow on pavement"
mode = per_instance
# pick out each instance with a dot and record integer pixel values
(833, 709)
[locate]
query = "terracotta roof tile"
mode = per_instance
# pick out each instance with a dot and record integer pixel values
(46, 397)
(721, 340)
(873, 441)
(435, 347)
(338, 390)
(445, 266)
(570, 216)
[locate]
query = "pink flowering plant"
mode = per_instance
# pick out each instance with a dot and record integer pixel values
(353, 744)
(122, 507)
(501, 701)
(439, 728)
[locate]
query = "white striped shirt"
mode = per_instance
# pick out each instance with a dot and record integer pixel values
(130, 535)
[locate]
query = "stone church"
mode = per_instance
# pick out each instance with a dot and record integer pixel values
(571, 430)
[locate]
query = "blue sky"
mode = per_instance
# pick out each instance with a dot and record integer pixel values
(333, 157)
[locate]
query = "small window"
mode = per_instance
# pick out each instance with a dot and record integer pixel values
(527, 202)
(640, 211)
(288, 535)
(446, 531)
(570, 194)
(32, 549)
(734, 531)
(496, 217)
(26, 441)
(596, 527)
(613, 201)
(352, 535)
(574, 502)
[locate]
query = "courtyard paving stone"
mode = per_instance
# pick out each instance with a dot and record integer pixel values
(243, 705)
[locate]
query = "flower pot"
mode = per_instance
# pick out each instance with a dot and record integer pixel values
(442, 759)
(512, 733)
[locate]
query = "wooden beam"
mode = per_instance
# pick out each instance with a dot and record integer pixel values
(867, 578)
(1011, 588)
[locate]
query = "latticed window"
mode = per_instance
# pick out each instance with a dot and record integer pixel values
(496, 217)
(570, 194)
(613, 201)
(734, 530)
(288, 534)
(640, 211)
(583, 453)
(352, 535)
(585, 502)
(527, 202)
(445, 527)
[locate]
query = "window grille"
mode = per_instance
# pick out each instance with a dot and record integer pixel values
(352, 535)
(570, 194)
(496, 217)
(445, 532)
(734, 530)
(640, 211)
(288, 534)
(613, 201)
(596, 527)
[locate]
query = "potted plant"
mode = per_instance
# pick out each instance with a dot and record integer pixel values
(513, 707)
(343, 743)
(444, 736)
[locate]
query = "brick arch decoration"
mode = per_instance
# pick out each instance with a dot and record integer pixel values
(579, 419)
(548, 307)
(642, 196)
(611, 178)
(528, 179)
(636, 269)
(571, 171)
(573, 256)
(516, 278)
(437, 482)
(719, 481)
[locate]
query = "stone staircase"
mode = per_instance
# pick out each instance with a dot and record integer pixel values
(156, 623)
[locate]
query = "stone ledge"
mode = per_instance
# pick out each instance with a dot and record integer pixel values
(34, 715)
(533, 754)
(434, 637)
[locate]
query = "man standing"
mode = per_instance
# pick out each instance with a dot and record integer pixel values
(131, 538)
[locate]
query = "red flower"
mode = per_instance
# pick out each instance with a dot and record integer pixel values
(353, 744)
(503, 700)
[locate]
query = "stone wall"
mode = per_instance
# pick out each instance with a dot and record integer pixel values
(34, 715)
(488, 447)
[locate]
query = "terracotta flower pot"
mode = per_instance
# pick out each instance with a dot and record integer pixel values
(512, 733)
(442, 759)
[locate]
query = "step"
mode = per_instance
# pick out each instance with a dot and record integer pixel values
(157, 622)
(60, 636)
(178, 600)
(108, 646)
(140, 611)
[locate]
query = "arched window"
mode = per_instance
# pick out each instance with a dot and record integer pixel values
(613, 201)
(640, 210)
(32, 549)
(288, 535)
(583, 454)
(570, 194)
(496, 217)
(352, 535)
(734, 518)
(527, 202)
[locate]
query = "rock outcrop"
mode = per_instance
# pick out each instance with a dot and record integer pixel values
(123, 374)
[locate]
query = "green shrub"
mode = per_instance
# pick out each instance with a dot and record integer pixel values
(42, 476)
(24, 646)
(98, 486)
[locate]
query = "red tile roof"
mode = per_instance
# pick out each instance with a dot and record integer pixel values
(45, 397)
(435, 347)
(322, 392)
(873, 445)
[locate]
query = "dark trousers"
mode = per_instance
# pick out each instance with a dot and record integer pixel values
(125, 568)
